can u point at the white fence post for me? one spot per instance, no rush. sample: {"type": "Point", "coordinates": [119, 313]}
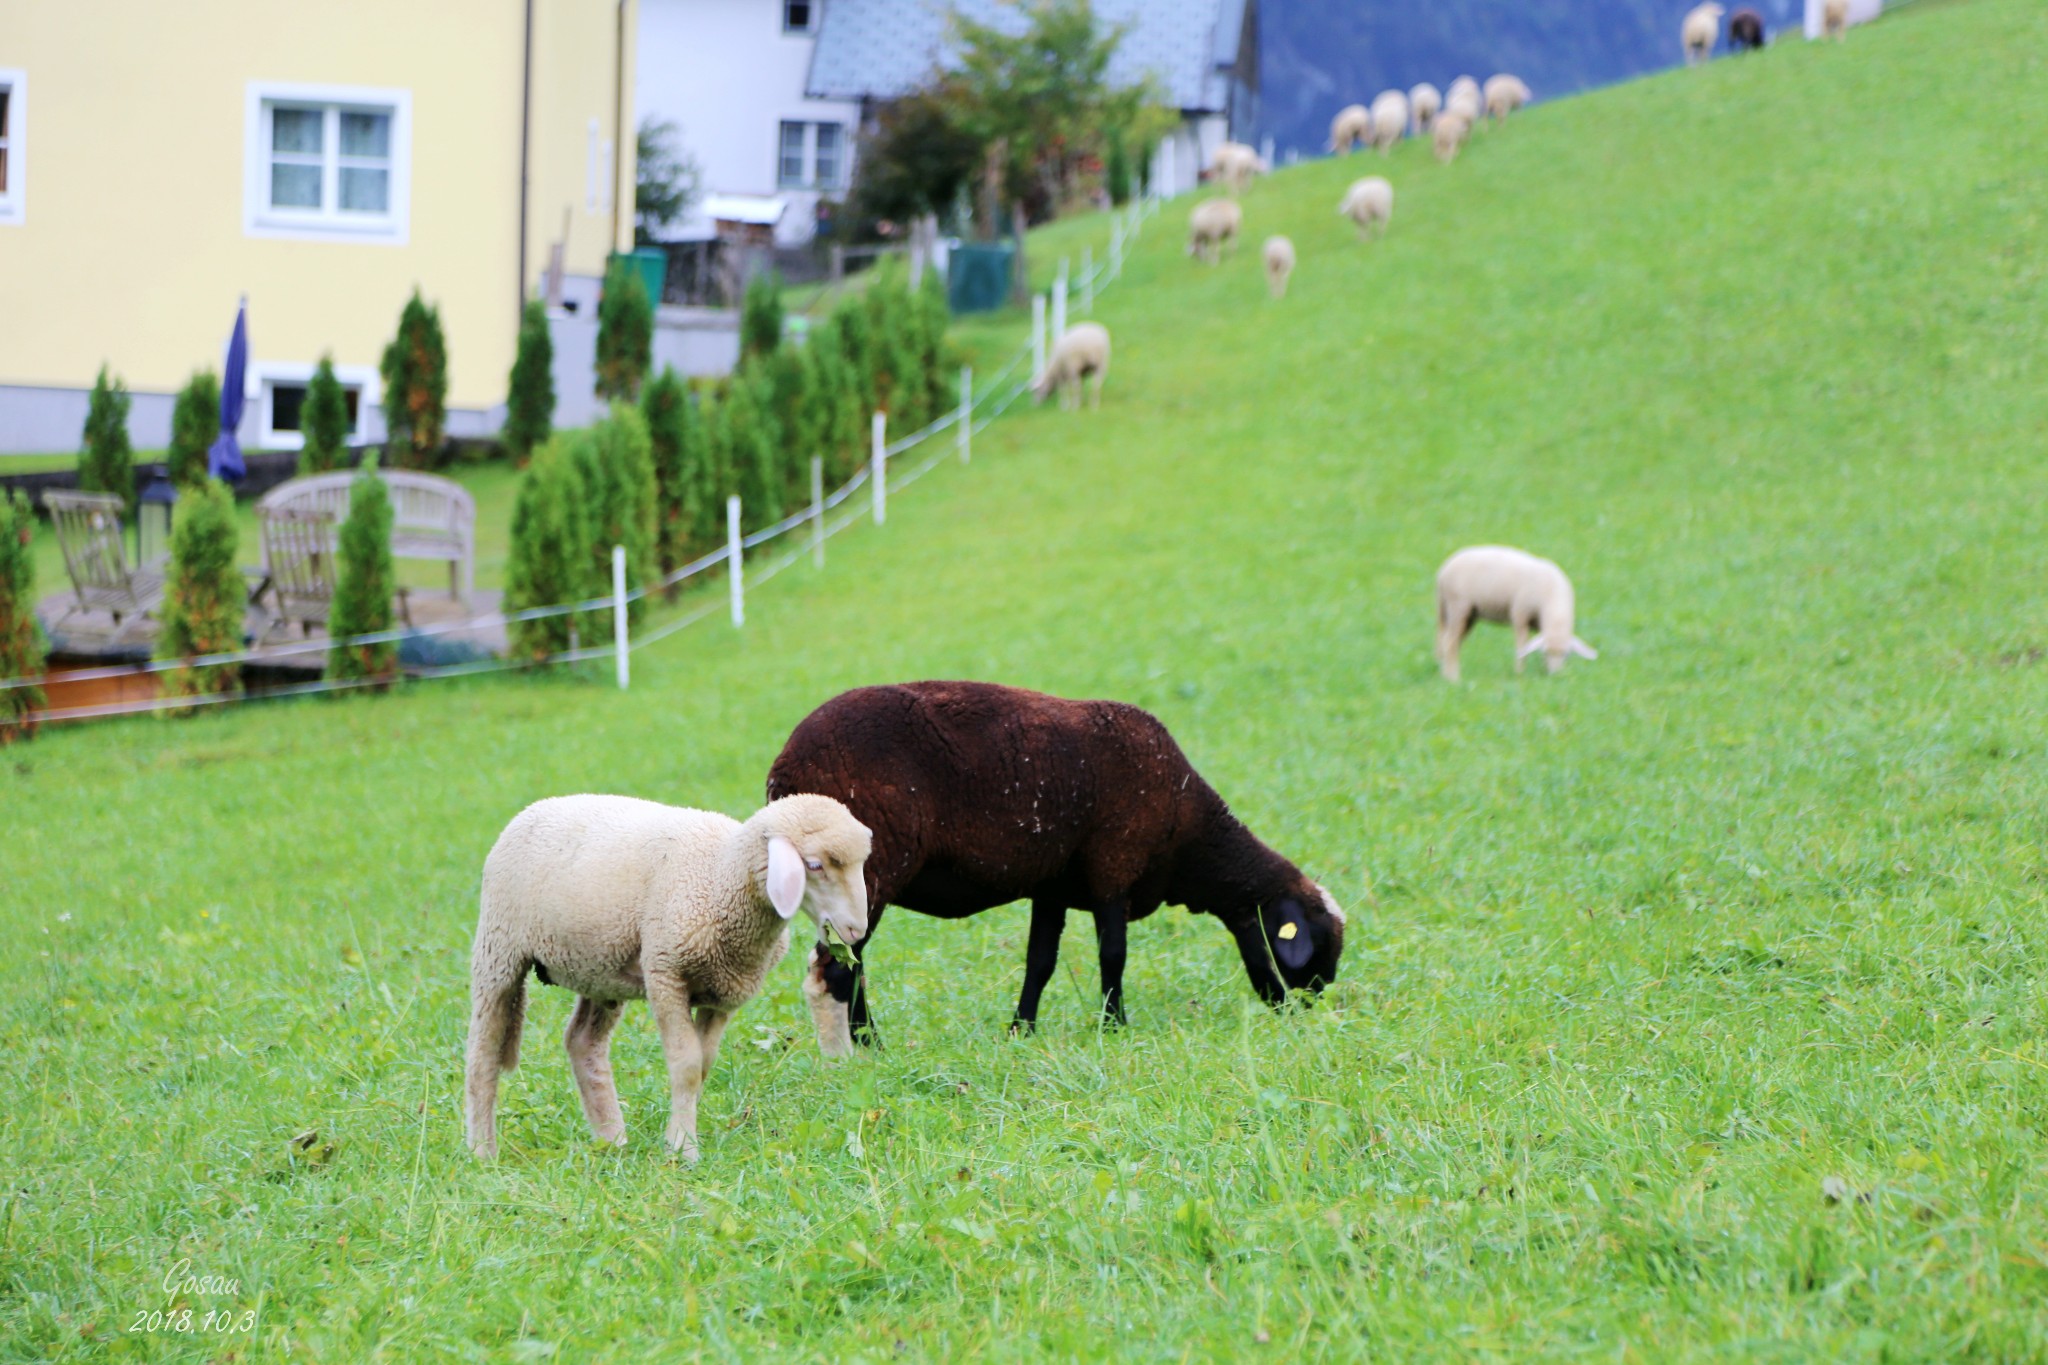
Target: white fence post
{"type": "Point", "coordinates": [1059, 304]}
{"type": "Point", "coordinates": [878, 468]}
{"type": "Point", "coordinates": [1116, 244]}
{"type": "Point", "coordinates": [733, 556]}
{"type": "Point", "coordinates": [817, 511]}
{"type": "Point", "coordinates": [1037, 335]}
{"type": "Point", "coordinates": [1266, 151]}
{"type": "Point", "coordinates": [619, 616]}
{"type": "Point", "coordinates": [1088, 280]}
{"type": "Point", "coordinates": [965, 438]}
{"type": "Point", "coordinates": [1171, 179]}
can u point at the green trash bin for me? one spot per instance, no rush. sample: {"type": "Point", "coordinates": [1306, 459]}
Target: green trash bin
{"type": "Point", "coordinates": [652, 263]}
{"type": "Point", "coordinates": [978, 276]}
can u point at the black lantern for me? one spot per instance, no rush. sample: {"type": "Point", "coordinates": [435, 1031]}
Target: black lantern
{"type": "Point", "coordinates": [153, 523]}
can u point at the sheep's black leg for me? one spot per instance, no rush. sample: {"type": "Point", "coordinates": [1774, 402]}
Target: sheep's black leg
{"type": "Point", "coordinates": [1110, 928]}
{"type": "Point", "coordinates": [1048, 918]}
{"type": "Point", "coordinates": [849, 986]}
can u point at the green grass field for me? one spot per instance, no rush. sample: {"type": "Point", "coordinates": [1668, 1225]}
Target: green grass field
{"type": "Point", "coordinates": [1642, 956]}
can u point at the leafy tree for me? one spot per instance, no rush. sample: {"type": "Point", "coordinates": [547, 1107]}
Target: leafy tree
{"type": "Point", "coordinates": [616, 462]}
{"type": "Point", "coordinates": [761, 317]}
{"type": "Point", "coordinates": [530, 403]}
{"type": "Point", "coordinates": [107, 462]}
{"type": "Point", "coordinates": [21, 646]}
{"type": "Point", "coordinates": [1116, 168]}
{"type": "Point", "coordinates": [550, 555]}
{"type": "Point", "coordinates": [919, 158]}
{"type": "Point", "coordinates": [415, 369]}
{"type": "Point", "coordinates": [625, 333]}
{"type": "Point", "coordinates": [204, 597]}
{"type": "Point", "coordinates": [195, 424]}
{"type": "Point", "coordinates": [324, 420]}
{"type": "Point", "coordinates": [363, 588]}
{"type": "Point", "coordinates": [677, 440]}
{"type": "Point", "coordinates": [666, 183]}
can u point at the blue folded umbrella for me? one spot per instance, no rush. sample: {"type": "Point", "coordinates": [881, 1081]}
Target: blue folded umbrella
{"type": "Point", "coordinates": [224, 460]}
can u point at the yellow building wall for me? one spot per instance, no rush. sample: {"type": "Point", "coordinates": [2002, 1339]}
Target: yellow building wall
{"type": "Point", "coordinates": [578, 47]}
{"type": "Point", "coordinates": [133, 250]}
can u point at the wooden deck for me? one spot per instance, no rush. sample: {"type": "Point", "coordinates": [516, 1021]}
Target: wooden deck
{"type": "Point", "coordinates": [450, 631]}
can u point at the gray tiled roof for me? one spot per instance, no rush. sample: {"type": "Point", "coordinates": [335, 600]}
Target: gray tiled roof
{"type": "Point", "coordinates": [886, 48]}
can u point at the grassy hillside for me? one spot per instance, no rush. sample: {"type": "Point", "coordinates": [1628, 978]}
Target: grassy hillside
{"type": "Point", "coordinates": [1643, 956]}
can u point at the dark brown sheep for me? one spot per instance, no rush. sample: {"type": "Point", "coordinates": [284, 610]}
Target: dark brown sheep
{"type": "Point", "coordinates": [979, 795]}
{"type": "Point", "coordinates": [1745, 30]}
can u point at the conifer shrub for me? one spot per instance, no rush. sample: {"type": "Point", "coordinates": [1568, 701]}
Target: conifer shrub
{"type": "Point", "coordinates": [204, 596]}
{"type": "Point", "coordinates": [415, 371]}
{"type": "Point", "coordinates": [677, 441]}
{"type": "Point", "coordinates": [615, 466]}
{"type": "Point", "coordinates": [761, 317]}
{"type": "Point", "coordinates": [625, 333]}
{"type": "Point", "coordinates": [195, 424]}
{"type": "Point", "coordinates": [752, 458]}
{"type": "Point", "coordinates": [530, 396]}
{"type": "Point", "coordinates": [323, 420]}
{"type": "Point", "coordinates": [364, 584]}
{"type": "Point", "coordinates": [106, 461]}
{"type": "Point", "coordinates": [549, 560]}
{"type": "Point", "coordinates": [21, 644]}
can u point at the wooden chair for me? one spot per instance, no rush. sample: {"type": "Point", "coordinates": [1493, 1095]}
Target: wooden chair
{"type": "Point", "coordinates": [299, 554]}
{"type": "Point", "coordinates": [89, 532]}
{"type": "Point", "coordinates": [431, 517]}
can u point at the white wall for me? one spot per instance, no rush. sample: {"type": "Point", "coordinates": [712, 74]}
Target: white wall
{"type": "Point", "coordinates": [727, 75]}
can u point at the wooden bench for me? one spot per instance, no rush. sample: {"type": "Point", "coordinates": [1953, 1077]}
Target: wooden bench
{"type": "Point", "coordinates": [431, 517]}
{"type": "Point", "coordinates": [89, 532]}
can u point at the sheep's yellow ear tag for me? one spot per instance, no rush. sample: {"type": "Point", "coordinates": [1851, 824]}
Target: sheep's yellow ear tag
{"type": "Point", "coordinates": [1288, 930]}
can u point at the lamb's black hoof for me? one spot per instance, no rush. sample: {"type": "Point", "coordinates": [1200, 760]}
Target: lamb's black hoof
{"type": "Point", "coordinates": [1023, 1028]}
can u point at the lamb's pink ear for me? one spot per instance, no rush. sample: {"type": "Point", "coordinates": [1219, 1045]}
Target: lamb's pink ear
{"type": "Point", "coordinates": [1582, 649]}
{"type": "Point", "coordinates": [785, 876]}
{"type": "Point", "coordinates": [1535, 646]}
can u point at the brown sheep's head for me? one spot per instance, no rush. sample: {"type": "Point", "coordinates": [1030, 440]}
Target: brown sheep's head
{"type": "Point", "coordinates": [1295, 942]}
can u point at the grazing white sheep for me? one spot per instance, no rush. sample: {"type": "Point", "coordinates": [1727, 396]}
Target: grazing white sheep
{"type": "Point", "coordinates": [1465, 105]}
{"type": "Point", "coordinates": [1234, 165]}
{"type": "Point", "coordinates": [1389, 119]}
{"type": "Point", "coordinates": [1427, 102]}
{"type": "Point", "coordinates": [1213, 225]}
{"type": "Point", "coordinates": [619, 899]}
{"type": "Point", "coordinates": [1504, 95]}
{"type": "Point", "coordinates": [1081, 354]}
{"type": "Point", "coordinates": [1452, 128]}
{"type": "Point", "coordinates": [1352, 126]}
{"type": "Point", "coordinates": [1464, 86]}
{"type": "Point", "coordinates": [1279, 256]}
{"type": "Point", "coordinates": [1834, 19]}
{"type": "Point", "coordinates": [1495, 583]}
{"type": "Point", "coordinates": [1700, 30]}
{"type": "Point", "coordinates": [1369, 203]}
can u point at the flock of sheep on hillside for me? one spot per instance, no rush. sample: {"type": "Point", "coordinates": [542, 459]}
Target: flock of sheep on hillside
{"type": "Point", "coordinates": [951, 798]}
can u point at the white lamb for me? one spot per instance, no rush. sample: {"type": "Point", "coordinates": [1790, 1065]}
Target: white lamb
{"type": "Point", "coordinates": [1427, 102]}
{"type": "Point", "coordinates": [1389, 119]}
{"type": "Point", "coordinates": [1352, 126]}
{"type": "Point", "coordinates": [1495, 583]}
{"type": "Point", "coordinates": [1369, 203]}
{"type": "Point", "coordinates": [1279, 254]}
{"type": "Point", "coordinates": [1504, 95]}
{"type": "Point", "coordinates": [1081, 354]}
{"type": "Point", "coordinates": [1234, 165]}
{"type": "Point", "coordinates": [1452, 128]}
{"type": "Point", "coordinates": [1700, 30]}
{"type": "Point", "coordinates": [1212, 226]}
{"type": "Point", "coordinates": [619, 899]}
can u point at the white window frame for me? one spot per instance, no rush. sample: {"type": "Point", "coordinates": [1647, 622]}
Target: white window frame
{"type": "Point", "coordinates": [14, 199]}
{"type": "Point", "coordinates": [327, 224]}
{"type": "Point", "coordinates": [260, 387]}
{"type": "Point", "coordinates": [808, 180]}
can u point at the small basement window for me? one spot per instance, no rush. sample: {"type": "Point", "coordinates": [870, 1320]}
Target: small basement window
{"type": "Point", "coordinates": [799, 16]}
{"type": "Point", "coordinates": [280, 394]}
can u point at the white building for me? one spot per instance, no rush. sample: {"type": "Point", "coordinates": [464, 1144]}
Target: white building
{"type": "Point", "coordinates": [731, 75]}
